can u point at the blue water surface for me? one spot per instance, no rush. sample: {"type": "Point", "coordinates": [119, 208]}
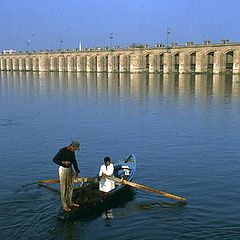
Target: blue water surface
{"type": "Point", "coordinates": [184, 130]}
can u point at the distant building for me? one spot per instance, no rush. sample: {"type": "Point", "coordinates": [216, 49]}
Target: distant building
{"type": "Point", "coordinates": [9, 51]}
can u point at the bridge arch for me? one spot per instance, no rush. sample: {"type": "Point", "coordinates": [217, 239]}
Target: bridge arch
{"type": "Point", "coordinates": [228, 60]}
{"type": "Point", "coordinates": [192, 61]}
{"type": "Point", "coordinates": [146, 61]}
{"type": "Point", "coordinates": [116, 61]}
{"type": "Point", "coordinates": [210, 60]}
{"type": "Point", "coordinates": [105, 62]}
{"type": "Point", "coordinates": [160, 61]}
{"type": "Point", "coordinates": [175, 61]}
{"type": "Point", "coordinates": [209, 51]}
{"type": "Point", "coordinates": [229, 50]}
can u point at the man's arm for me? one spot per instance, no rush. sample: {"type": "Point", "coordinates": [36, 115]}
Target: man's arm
{"type": "Point", "coordinates": [75, 165]}
{"type": "Point", "coordinates": [100, 172]}
{"type": "Point", "coordinates": [58, 158]}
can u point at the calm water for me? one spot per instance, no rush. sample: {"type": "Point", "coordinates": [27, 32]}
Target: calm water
{"type": "Point", "coordinates": [184, 130]}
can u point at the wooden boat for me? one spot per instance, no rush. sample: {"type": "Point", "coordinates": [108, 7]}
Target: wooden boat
{"type": "Point", "coordinates": [92, 201]}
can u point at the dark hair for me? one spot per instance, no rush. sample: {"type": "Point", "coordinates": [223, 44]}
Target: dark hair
{"type": "Point", "coordinates": [107, 159]}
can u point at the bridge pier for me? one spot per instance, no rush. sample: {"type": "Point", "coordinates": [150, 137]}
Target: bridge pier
{"type": "Point", "coordinates": [21, 64]}
{"type": "Point", "coordinates": [2, 64]}
{"type": "Point", "coordinates": [61, 62]}
{"type": "Point", "coordinates": [167, 65]}
{"type": "Point", "coordinates": [79, 64]}
{"type": "Point", "coordinates": [110, 63]}
{"type": "Point", "coordinates": [201, 65]}
{"type": "Point", "coordinates": [15, 64]}
{"type": "Point", "coordinates": [70, 64]}
{"type": "Point", "coordinates": [123, 63]}
{"type": "Point", "coordinates": [8, 64]}
{"type": "Point", "coordinates": [152, 63]}
{"type": "Point", "coordinates": [183, 66]}
{"type": "Point", "coordinates": [100, 67]}
{"type": "Point", "coordinates": [28, 62]}
{"type": "Point", "coordinates": [89, 64]}
{"type": "Point", "coordinates": [43, 63]}
{"type": "Point", "coordinates": [136, 63]}
{"type": "Point", "coordinates": [236, 62]}
{"type": "Point", "coordinates": [82, 64]}
{"type": "Point", "coordinates": [218, 62]}
{"type": "Point", "coordinates": [35, 64]}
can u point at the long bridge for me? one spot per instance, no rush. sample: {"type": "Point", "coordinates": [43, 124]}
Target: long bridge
{"type": "Point", "coordinates": [198, 58]}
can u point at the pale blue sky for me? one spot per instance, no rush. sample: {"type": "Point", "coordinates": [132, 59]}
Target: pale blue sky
{"type": "Point", "coordinates": [45, 22]}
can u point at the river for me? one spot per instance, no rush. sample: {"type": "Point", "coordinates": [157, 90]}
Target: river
{"type": "Point", "coordinates": [183, 129]}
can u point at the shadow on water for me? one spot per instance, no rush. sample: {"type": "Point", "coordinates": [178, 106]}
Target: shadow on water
{"type": "Point", "coordinates": [94, 204]}
{"type": "Point", "coordinates": [152, 205]}
{"type": "Point", "coordinates": [126, 204]}
{"type": "Point", "coordinates": [149, 202]}
{"type": "Point", "coordinates": [91, 211]}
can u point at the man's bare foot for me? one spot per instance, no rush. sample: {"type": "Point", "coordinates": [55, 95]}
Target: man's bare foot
{"type": "Point", "coordinates": [66, 209]}
{"type": "Point", "coordinates": [75, 205]}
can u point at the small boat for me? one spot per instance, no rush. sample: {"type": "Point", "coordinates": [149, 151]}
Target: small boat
{"type": "Point", "coordinates": [92, 201]}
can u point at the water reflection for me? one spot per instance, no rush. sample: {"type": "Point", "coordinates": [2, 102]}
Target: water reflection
{"type": "Point", "coordinates": [235, 86]}
{"type": "Point", "coordinates": [108, 214]}
{"type": "Point", "coordinates": [119, 85]}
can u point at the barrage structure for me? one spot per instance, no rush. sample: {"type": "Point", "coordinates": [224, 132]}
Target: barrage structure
{"type": "Point", "coordinates": [197, 58]}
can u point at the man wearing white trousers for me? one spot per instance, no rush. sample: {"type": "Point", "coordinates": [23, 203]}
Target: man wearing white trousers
{"type": "Point", "coordinates": [66, 158]}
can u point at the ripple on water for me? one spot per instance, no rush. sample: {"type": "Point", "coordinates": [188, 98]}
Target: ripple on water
{"type": "Point", "coordinates": [27, 213]}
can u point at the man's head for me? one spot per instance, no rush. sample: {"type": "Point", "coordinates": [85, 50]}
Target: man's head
{"type": "Point", "coordinates": [74, 145]}
{"type": "Point", "coordinates": [107, 161]}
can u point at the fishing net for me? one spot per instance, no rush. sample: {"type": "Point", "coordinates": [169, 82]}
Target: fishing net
{"type": "Point", "coordinates": [88, 195]}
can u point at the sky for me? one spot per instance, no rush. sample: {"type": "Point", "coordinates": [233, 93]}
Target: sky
{"type": "Point", "coordinates": [54, 24]}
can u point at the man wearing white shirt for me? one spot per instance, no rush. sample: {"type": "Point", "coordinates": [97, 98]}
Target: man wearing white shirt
{"type": "Point", "coordinates": [106, 185]}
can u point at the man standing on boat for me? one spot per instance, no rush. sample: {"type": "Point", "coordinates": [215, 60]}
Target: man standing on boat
{"type": "Point", "coordinates": [106, 185]}
{"type": "Point", "coordinates": [65, 158]}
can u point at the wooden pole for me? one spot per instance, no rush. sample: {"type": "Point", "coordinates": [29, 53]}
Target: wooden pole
{"type": "Point", "coordinates": [43, 183]}
{"type": "Point", "coordinates": [49, 181]}
{"type": "Point", "coordinates": [76, 180]}
{"type": "Point", "coordinates": [146, 188]}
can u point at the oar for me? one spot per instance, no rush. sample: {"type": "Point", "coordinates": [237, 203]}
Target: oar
{"type": "Point", "coordinates": [149, 189]}
{"type": "Point", "coordinates": [81, 179]}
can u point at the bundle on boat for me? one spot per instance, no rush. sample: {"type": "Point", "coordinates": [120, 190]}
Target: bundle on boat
{"type": "Point", "coordinates": [89, 192]}
{"type": "Point", "coordinates": [88, 195]}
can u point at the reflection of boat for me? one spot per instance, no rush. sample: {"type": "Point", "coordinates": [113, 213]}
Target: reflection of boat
{"type": "Point", "coordinates": [92, 201]}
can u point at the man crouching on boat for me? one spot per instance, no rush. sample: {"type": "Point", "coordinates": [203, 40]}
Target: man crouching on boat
{"type": "Point", "coordinates": [65, 158]}
{"type": "Point", "coordinates": [106, 185]}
